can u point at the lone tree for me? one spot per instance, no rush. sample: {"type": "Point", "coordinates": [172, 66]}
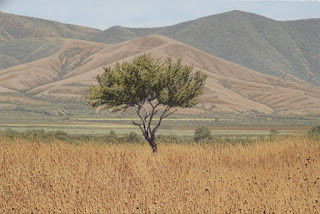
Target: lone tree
{"type": "Point", "coordinates": [149, 86]}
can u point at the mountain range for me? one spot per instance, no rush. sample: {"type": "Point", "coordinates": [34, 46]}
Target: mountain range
{"type": "Point", "coordinates": [252, 62]}
{"type": "Point", "coordinates": [285, 49]}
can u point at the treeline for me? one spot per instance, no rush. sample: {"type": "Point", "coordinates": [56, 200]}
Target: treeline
{"type": "Point", "coordinates": [41, 135]}
{"type": "Point", "coordinates": [202, 135]}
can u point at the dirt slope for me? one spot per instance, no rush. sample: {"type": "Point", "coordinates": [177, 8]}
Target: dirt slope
{"type": "Point", "coordinates": [230, 87]}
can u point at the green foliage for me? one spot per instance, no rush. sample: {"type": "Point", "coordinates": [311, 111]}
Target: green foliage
{"type": "Point", "coordinates": [202, 133]}
{"type": "Point", "coordinates": [315, 131]}
{"type": "Point", "coordinates": [60, 135]}
{"type": "Point", "coordinates": [171, 138]}
{"type": "Point", "coordinates": [147, 83]}
{"type": "Point", "coordinates": [111, 137]}
{"type": "Point", "coordinates": [34, 134]}
{"type": "Point", "coordinates": [146, 79]}
{"type": "Point", "coordinates": [180, 88]}
{"type": "Point", "coordinates": [132, 137]}
{"type": "Point", "coordinates": [43, 136]}
{"type": "Point", "coordinates": [9, 133]}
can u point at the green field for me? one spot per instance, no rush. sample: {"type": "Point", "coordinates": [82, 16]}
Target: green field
{"type": "Point", "coordinates": [74, 118]}
{"type": "Point", "coordinates": [98, 129]}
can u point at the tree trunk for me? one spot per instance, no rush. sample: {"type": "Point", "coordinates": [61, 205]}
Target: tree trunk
{"type": "Point", "coordinates": [153, 145]}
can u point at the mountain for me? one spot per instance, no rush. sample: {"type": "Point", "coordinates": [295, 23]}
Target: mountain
{"type": "Point", "coordinates": [24, 39]}
{"type": "Point", "coordinates": [260, 64]}
{"type": "Point", "coordinates": [22, 27]}
{"type": "Point", "coordinates": [66, 74]}
{"type": "Point", "coordinates": [286, 49]}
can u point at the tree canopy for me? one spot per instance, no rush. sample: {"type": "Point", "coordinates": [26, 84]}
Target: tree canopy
{"type": "Point", "coordinates": [150, 86]}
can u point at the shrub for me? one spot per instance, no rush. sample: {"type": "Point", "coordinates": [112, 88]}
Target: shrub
{"type": "Point", "coordinates": [171, 138]}
{"type": "Point", "coordinates": [273, 133]}
{"type": "Point", "coordinates": [9, 133]}
{"type": "Point", "coordinates": [202, 133]}
{"type": "Point", "coordinates": [315, 131]}
{"type": "Point", "coordinates": [132, 137]}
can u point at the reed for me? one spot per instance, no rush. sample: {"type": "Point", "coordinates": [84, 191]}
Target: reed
{"type": "Point", "coordinates": [271, 176]}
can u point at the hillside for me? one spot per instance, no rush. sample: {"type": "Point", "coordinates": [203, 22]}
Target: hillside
{"type": "Point", "coordinates": [25, 39]}
{"type": "Point", "coordinates": [287, 49]}
{"type": "Point", "coordinates": [46, 61]}
{"type": "Point", "coordinates": [66, 74]}
{"type": "Point", "coordinates": [18, 51]}
{"type": "Point", "coordinates": [22, 27]}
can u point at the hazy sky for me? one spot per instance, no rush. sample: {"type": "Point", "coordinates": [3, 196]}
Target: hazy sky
{"type": "Point", "coordinates": [103, 14]}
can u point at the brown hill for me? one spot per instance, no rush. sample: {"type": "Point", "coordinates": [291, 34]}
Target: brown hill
{"type": "Point", "coordinates": [66, 74]}
{"type": "Point", "coordinates": [286, 49]}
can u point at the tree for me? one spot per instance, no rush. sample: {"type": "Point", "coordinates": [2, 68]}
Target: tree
{"type": "Point", "coordinates": [149, 86]}
{"type": "Point", "coordinates": [202, 133]}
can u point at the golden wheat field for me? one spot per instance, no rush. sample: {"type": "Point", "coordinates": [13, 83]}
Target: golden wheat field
{"type": "Point", "coordinates": [278, 176]}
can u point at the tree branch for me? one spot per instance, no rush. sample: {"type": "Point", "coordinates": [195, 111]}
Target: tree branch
{"type": "Point", "coordinates": [143, 132]}
{"type": "Point", "coordinates": [143, 120]}
{"type": "Point", "coordinates": [147, 113]}
{"type": "Point", "coordinates": [154, 111]}
{"type": "Point", "coordinates": [169, 113]}
{"type": "Point", "coordinates": [164, 115]}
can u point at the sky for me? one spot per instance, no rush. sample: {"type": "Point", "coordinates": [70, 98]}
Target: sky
{"type": "Point", "coordinates": [103, 14]}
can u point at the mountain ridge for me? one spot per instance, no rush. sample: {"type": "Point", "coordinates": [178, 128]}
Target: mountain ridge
{"type": "Point", "coordinates": [287, 49]}
{"type": "Point", "coordinates": [272, 47]}
{"type": "Point", "coordinates": [22, 27]}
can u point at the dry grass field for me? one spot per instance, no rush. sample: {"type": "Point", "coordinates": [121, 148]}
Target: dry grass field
{"type": "Point", "coordinates": [279, 176]}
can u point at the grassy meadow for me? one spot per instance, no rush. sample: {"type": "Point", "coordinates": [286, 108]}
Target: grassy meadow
{"type": "Point", "coordinates": [79, 119]}
{"type": "Point", "coordinates": [268, 176]}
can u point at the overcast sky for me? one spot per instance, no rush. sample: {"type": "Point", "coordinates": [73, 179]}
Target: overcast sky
{"type": "Point", "coordinates": [103, 14]}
